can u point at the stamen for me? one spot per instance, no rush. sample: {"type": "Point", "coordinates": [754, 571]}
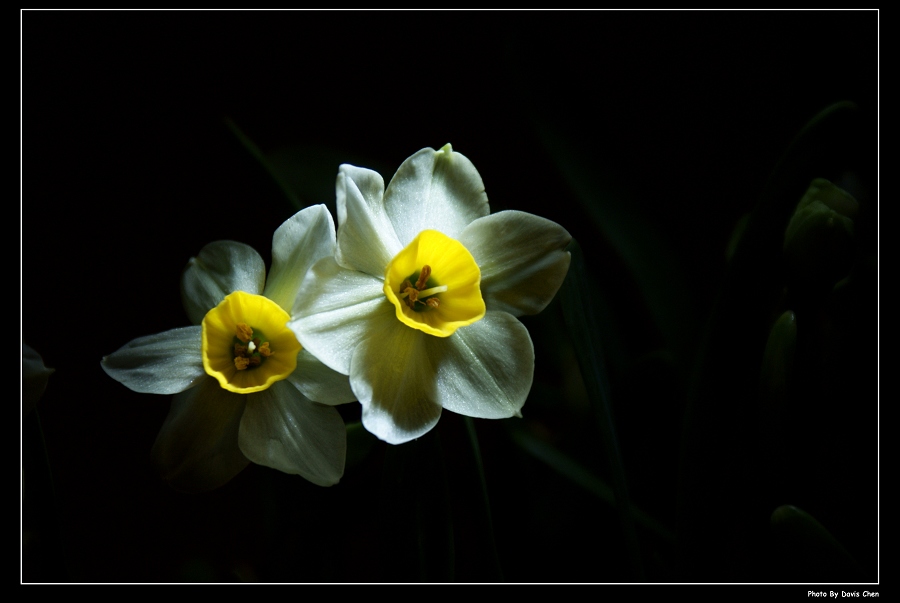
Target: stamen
{"type": "Point", "coordinates": [244, 332]}
{"type": "Point", "coordinates": [433, 291]}
{"type": "Point", "coordinates": [252, 354]}
{"type": "Point", "coordinates": [423, 277]}
{"type": "Point", "coordinates": [412, 295]}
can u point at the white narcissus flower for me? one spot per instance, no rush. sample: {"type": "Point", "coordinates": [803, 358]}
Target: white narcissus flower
{"type": "Point", "coordinates": [419, 304]}
{"type": "Point", "coordinates": [244, 388]}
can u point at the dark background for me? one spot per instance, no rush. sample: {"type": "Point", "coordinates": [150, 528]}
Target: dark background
{"type": "Point", "coordinates": [648, 135]}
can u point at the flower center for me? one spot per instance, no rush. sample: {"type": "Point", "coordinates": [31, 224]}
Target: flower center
{"type": "Point", "coordinates": [250, 349]}
{"type": "Point", "coordinates": [434, 283]}
{"type": "Point", "coordinates": [240, 337]}
{"type": "Point", "coordinates": [423, 295]}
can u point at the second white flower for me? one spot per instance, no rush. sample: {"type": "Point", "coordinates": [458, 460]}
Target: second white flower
{"type": "Point", "coordinates": [419, 303]}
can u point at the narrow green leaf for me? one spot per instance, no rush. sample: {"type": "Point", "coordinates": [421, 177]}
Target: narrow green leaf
{"type": "Point", "coordinates": [622, 222]}
{"type": "Point", "coordinates": [414, 516]}
{"type": "Point", "coordinates": [582, 326]}
{"type": "Point", "coordinates": [580, 475]}
{"type": "Point", "coordinates": [489, 540]}
{"type": "Point", "coordinates": [254, 151]}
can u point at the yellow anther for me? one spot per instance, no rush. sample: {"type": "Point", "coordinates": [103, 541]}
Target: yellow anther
{"type": "Point", "coordinates": [423, 277]}
{"type": "Point", "coordinates": [411, 295]}
{"type": "Point", "coordinates": [244, 332]}
{"type": "Point", "coordinates": [437, 308]}
{"type": "Point", "coordinates": [252, 354]}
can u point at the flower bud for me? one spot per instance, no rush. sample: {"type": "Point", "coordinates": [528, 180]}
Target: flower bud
{"type": "Point", "coordinates": [778, 361]}
{"type": "Point", "coordinates": [819, 243]}
{"type": "Point", "coordinates": [775, 379]}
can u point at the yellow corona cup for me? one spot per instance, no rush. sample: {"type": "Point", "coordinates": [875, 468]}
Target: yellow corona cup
{"type": "Point", "coordinates": [434, 283]}
{"type": "Point", "coordinates": [246, 343]}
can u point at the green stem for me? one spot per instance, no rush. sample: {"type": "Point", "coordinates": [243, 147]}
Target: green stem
{"type": "Point", "coordinates": [43, 558]}
{"type": "Point", "coordinates": [582, 327]}
{"type": "Point", "coordinates": [476, 453]}
{"type": "Point", "coordinates": [251, 147]}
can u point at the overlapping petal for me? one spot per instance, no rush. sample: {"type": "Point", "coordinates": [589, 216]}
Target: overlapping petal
{"type": "Point", "coordinates": [485, 370]}
{"type": "Point", "coordinates": [404, 377]}
{"type": "Point", "coordinates": [403, 369]}
{"type": "Point", "coordinates": [320, 383]}
{"type": "Point", "coordinates": [197, 447]}
{"type": "Point", "coordinates": [283, 430]}
{"type": "Point", "coordinates": [165, 363]}
{"type": "Point", "coordinates": [219, 269]}
{"type": "Point", "coordinates": [366, 240]}
{"type": "Point", "coordinates": [333, 311]}
{"type": "Point", "coordinates": [439, 190]}
{"type": "Point", "coordinates": [393, 375]}
{"type": "Point", "coordinates": [300, 242]}
{"type": "Point", "coordinates": [523, 260]}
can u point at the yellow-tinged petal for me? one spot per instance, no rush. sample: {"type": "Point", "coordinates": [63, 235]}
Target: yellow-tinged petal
{"type": "Point", "coordinates": [268, 322]}
{"type": "Point", "coordinates": [447, 298]}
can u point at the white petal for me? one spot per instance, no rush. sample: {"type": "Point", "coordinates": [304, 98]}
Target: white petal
{"type": "Point", "coordinates": [219, 269]}
{"type": "Point", "coordinates": [320, 383]}
{"type": "Point", "coordinates": [300, 242]}
{"type": "Point", "coordinates": [365, 240]}
{"type": "Point", "coordinates": [485, 369]}
{"type": "Point", "coordinates": [333, 311]}
{"type": "Point", "coordinates": [33, 364]}
{"type": "Point", "coordinates": [522, 257]}
{"type": "Point", "coordinates": [438, 190]}
{"type": "Point", "coordinates": [197, 447]}
{"type": "Point", "coordinates": [283, 430]}
{"type": "Point", "coordinates": [165, 363]}
{"type": "Point", "coordinates": [394, 378]}
{"type": "Point", "coordinates": [34, 377]}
